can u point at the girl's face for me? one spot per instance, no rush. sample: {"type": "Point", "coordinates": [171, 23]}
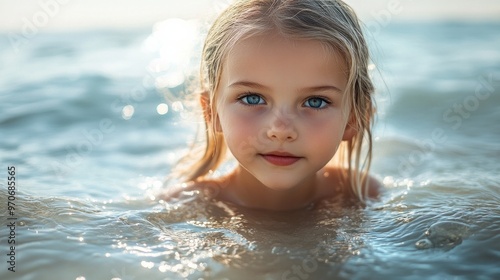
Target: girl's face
{"type": "Point", "coordinates": [279, 106]}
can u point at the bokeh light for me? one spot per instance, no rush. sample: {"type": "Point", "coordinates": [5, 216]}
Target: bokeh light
{"type": "Point", "coordinates": [162, 108]}
{"type": "Point", "coordinates": [127, 112]}
{"type": "Point", "coordinates": [177, 41]}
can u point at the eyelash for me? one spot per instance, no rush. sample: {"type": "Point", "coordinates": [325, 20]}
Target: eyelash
{"type": "Point", "coordinates": [247, 94]}
{"type": "Point", "coordinates": [328, 102]}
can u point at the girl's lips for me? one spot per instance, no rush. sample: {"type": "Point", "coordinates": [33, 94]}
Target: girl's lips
{"type": "Point", "coordinates": [281, 159]}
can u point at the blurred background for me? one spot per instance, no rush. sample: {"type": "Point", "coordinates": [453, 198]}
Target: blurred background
{"type": "Point", "coordinates": [94, 115]}
{"type": "Point", "coordinates": [92, 14]}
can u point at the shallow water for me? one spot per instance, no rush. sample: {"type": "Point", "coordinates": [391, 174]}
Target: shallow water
{"type": "Point", "coordinates": [88, 169]}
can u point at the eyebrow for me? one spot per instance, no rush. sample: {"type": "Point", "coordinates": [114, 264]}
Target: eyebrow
{"type": "Point", "coordinates": [249, 84]}
{"type": "Point", "coordinates": [308, 89]}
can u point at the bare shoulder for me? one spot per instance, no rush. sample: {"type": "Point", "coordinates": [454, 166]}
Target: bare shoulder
{"type": "Point", "coordinates": [335, 177]}
{"type": "Point", "coordinates": [375, 187]}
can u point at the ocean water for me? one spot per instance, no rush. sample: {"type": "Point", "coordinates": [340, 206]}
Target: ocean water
{"type": "Point", "coordinates": [93, 122]}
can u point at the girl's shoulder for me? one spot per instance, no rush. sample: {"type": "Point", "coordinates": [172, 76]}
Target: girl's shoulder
{"type": "Point", "coordinates": [375, 187]}
{"type": "Point", "coordinates": [335, 177]}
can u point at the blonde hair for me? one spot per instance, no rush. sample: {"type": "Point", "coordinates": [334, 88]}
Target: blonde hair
{"type": "Point", "coordinates": [331, 22]}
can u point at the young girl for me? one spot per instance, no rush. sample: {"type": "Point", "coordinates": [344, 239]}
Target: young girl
{"type": "Point", "coordinates": [285, 87]}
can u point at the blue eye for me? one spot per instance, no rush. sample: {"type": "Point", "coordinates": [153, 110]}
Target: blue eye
{"type": "Point", "coordinates": [251, 99]}
{"type": "Point", "coordinates": [316, 103]}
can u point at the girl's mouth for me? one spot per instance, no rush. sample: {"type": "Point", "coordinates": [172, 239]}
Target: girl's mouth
{"type": "Point", "coordinates": [280, 159]}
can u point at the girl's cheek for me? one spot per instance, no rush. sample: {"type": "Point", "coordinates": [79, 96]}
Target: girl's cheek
{"type": "Point", "coordinates": [240, 122]}
{"type": "Point", "coordinates": [320, 119]}
{"type": "Point", "coordinates": [247, 115]}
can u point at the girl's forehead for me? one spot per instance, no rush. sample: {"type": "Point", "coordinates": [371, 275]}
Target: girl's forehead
{"type": "Point", "coordinates": [274, 44]}
{"type": "Point", "coordinates": [268, 49]}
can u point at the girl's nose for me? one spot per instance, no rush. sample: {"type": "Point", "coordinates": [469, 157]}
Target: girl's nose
{"type": "Point", "coordinates": [282, 127]}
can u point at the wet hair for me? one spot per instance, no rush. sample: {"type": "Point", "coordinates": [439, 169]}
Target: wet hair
{"type": "Point", "coordinates": [331, 22]}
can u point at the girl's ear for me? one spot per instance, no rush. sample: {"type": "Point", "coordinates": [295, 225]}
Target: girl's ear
{"type": "Point", "coordinates": [350, 129]}
{"type": "Point", "coordinates": [207, 111]}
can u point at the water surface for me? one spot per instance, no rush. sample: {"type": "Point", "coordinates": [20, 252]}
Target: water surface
{"type": "Point", "coordinates": [81, 124]}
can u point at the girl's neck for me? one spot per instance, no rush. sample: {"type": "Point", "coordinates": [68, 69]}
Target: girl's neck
{"type": "Point", "coordinates": [245, 190]}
